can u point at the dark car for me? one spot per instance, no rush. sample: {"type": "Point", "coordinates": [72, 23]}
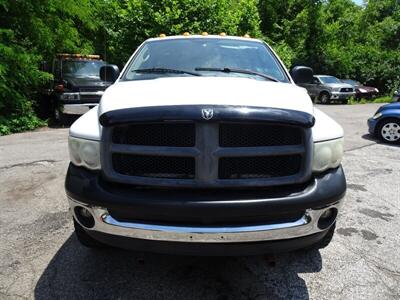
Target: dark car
{"type": "Point", "coordinates": [77, 86]}
{"type": "Point", "coordinates": [385, 123]}
{"type": "Point", "coordinates": [362, 91]}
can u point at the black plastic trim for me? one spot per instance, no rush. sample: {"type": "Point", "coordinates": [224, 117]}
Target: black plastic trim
{"type": "Point", "coordinates": [88, 187]}
{"type": "Point", "coordinates": [209, 249]}
{"type": "Point", "coordinates": [194, 113]}
{"type": "Point", "coordinates": [82, 101]}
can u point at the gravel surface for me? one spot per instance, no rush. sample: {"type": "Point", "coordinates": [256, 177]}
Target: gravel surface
{"type": "Point", "coordinates": [41, 258]}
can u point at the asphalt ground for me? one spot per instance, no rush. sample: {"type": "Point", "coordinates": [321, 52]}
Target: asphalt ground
{"type": "Point", "coordinates": [41, 258]}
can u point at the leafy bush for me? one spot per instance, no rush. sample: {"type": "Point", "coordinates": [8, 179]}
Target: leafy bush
{"type": "Point", "coordinates": [128, 23]}
{"type": "Point", "coordinates": [20, 81]}
{"type": "Point", "coordinates": [31, 31]}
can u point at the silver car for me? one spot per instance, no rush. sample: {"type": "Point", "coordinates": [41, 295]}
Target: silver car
{"type": "Point", "coordinates": [325, 89]}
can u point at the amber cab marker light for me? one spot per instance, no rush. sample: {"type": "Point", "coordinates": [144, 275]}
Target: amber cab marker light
{"type": "Point", "coordinates": [186, 34]}
{"type": "Point", "coordinates": [162, 35]}
{"type": "Point", "coordinates": [204, 33]}
{"type": "Point", "coordinates": [246, 36]}
{"type": "Point", "coordinates": [222, 34]}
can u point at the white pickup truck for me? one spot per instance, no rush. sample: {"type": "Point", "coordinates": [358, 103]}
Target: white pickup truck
{"type": "Point", "coordinates": [205, 145]}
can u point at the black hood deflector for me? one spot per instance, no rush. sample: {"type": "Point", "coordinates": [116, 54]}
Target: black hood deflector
{"type": "Point", "coordinates": [195, 113]}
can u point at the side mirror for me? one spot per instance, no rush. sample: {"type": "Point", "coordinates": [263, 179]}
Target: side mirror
{"type": "Point", "coordinates": [302, 74]}
{"type": "Point", "coordinates": [109, 73]}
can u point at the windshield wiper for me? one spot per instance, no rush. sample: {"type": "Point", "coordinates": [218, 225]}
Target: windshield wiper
{"type": "Point", "coordinates": [165, 70]}
{"type": "Point", "coordinates": [233, 70]}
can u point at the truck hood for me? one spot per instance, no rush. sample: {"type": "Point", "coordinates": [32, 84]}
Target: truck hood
{"type": "Point", "coordinates": [339, 85]}
{"type": "Point", "coordinates": [205, 91]}
{"type": "Point", "coordinates": [76, 83]}
{"type": "Point", "coordinates": [367, 88]}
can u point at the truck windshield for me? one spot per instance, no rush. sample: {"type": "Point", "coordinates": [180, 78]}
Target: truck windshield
{"type": "Point", "coordinates": [351, 82]}
{"type": "Point", "coordinates": [82, 68]}
{"type": "Point", "coordinates": [329, 79]}
{"type": "Point", "coordinates": [205, 57]}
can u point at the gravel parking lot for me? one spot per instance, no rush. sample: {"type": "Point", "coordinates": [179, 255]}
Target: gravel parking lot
{"type": "Point", "coordinates": [41, 258]}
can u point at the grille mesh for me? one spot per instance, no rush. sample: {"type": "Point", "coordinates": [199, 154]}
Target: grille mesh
{"type": "Point", "coordinates": [197, 165]}
{"type": "Point", "coordinates": [258, 135]}
{"type": "Point", "coordinates": [156, 134]}
{"type": "Point", "coordinates": [154, 166]}
{"type": "Point", "coordinates": [90, 98]}
{"type": "Point", "coordinates": [258, 167]}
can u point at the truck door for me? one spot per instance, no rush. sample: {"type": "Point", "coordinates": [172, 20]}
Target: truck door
{"type": "Point", "coordinates": [315, 87]}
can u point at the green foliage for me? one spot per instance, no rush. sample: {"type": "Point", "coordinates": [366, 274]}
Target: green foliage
{"type": "Point", "coordinates": [20, 80]}
{"type": "Point", "coordinates": [338, 37]}
{"type": "Point", "coordinates": [128, 23]}
{"type": "Point", "coordinates": [20, 123]}
{"type": "Point", "coordinates": [335, 37]}
{"type": "Point", "coordinates": [31, 31]}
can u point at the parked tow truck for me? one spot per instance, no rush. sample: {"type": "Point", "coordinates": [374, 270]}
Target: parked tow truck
{"type": "Point", "coordinates": [76, 87]}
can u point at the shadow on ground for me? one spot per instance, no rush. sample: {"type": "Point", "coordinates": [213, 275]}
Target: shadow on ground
{"type": "Point", "coordinates": [372, 138]}
{"type": "Point", "coordinates": [65, 123]}
{"type": "Point", "coordinates": [78, 272]}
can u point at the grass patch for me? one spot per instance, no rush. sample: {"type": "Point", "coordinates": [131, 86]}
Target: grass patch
{"type": "Point", "coordinates": [383, 99]}
{"type": "Point", "coordinates": [15, 123]}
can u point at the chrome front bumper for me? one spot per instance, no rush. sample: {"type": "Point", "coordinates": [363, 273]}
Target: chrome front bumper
{"type": "Point", "coordinates": [342, 95]}
{"type": "Point", "coordinates": [77, 109]}
{"type": "Point", "coordinates": [105, 223]}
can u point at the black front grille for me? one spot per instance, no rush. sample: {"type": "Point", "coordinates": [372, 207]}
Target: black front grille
{"type": "Point", "coordinates": [92, 89]}
{"type": "Point", "coordinates": [258, 167]}
{"type": "Point", "coordinates": [258, 135]}
{"type": "Point", "coordinates": [346, 89]}
{"type": "Point", "coordinates": [90, 98]}
{"type": "Point", "coordinates": [219, 154]}
{"type": "Point", "coordinates": [156, 134]}
{"type": "Point", "coordinates": [154, 166]}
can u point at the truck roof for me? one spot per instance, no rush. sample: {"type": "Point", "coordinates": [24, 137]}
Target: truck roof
{"type": "Point", "coordinates": [78, 56]}
{"type": "Point", "coordinates": [203, 36]}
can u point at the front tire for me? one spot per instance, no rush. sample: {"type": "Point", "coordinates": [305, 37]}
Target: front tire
{"type": "Point", "coordinates": [389, 131]}
{"type": "Point", "coordinates": [85, 239]}
{"type": "Point", "coordinates": [62, 119]}
{"type": "Point", "coordinates": [324, 98]}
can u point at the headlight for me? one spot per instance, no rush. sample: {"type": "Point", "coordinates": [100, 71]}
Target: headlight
{"type": "Point", "coordinates": [363, 91]}
{"type": "Point", "coordinates": [70, 96]}
{"type": "Point", "coordinates": [376, 90]}
{"type": "Point", "coordinates": [377, 116]}
{"type": "Point", "coordinates": [327, 155]}
{"type": "Point", "coordinates": [84, 153]}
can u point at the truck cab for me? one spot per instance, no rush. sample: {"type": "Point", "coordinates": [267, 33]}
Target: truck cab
{"type": "Point", "coordinates": [205, 145]}
{"type": "Point", "coordinates": [77, 86]}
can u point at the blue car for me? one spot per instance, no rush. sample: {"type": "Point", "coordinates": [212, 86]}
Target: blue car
{"type": "Point", "coordinates": [385, 124]}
